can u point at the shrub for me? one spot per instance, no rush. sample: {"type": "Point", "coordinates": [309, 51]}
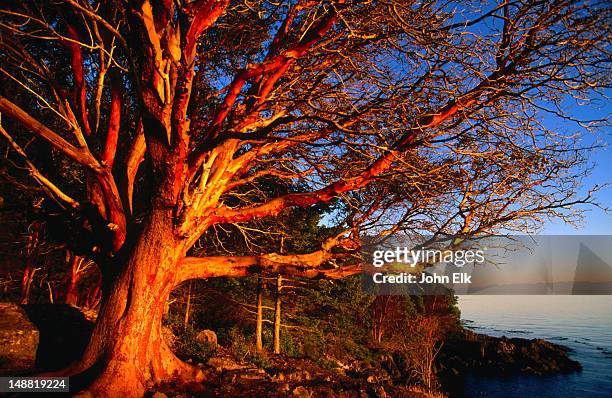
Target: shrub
{"type": "Point", "coordinates": [313, 346]}
{"type": "Point", "coordinates": [260, 359]}
{"type": "Point", "coordinates": [328, 364]}
{"type": "Point", "coordinates": [188, 347]}
{"type": "Point", "coordinates": [239, 346]}
{"type": "Point", "coordinates": [289, 346]}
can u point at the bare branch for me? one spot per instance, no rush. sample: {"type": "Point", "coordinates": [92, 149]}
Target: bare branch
{"type": "Point", "coordinates": [81, 155]}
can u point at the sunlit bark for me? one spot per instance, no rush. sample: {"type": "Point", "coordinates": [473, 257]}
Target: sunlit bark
{"type": "Point", "coordinates": [387, 109]}
{"type": "Point", "coordinates": [259, 319]}
{"type": "Point", "coordinates": [277, 314]}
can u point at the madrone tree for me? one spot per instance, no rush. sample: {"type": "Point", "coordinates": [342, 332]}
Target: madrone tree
{"type": "Point", "coordinates": [164, 118]}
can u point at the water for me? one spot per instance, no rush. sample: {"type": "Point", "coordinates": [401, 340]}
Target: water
{"type": "Point", "coordinates": [583, 323]}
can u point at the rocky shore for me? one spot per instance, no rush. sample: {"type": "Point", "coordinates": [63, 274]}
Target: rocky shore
{"type": "Point", "coordinates": [289, 377]}
{"type": "Point", "coordinates": [385, 376]}
{"type": "Point", "coordinates": [468, 350]}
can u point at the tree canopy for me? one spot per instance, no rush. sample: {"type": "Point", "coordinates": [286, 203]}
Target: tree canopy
{"type": "Point", "coordinates": [154, 124]}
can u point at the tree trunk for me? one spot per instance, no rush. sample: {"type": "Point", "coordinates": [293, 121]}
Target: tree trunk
{"type": "Point", "coordinates": [29, 260]}
{"type": "Point", "coordinates": [26, 281]}
{"type": "Point", "coordinates": [72, 292]}
{"type": "Point", "coordinates": [127, 354]}
{"type": "Point", "coordinates": [94, 295]}
{"type": "Point", "coordinates": [277, 315]}
{"type": "Point", "coordinates": [187, 307]}
{"type": "Point", "coordinates": [259, 325]}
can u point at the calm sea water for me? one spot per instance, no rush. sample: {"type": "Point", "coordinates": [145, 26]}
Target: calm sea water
{"type": "Point", "coordinates": [583, 323]}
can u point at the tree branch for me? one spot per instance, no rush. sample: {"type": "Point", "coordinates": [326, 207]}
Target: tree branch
{"type": "Point", "coordinates": [274, 67]}
{"type": "Point", "coordinates": [54, 191]}
{"type": "Point", "coordinates": [80, 87]}
{"type": "Point", "coordinates": [134, 159]}
{"type": "Point", "coordinates": [81, 155]}
{"type": "Point", "coordinates": [303, 265]}
{"type": "Point", "coordinates": [114, 122]}
{"type": "Point", "coordinates": [380, 165]}
{"type": "Point", "coordinates": [205, 13]}
{"type": "Point", "coordinates": [241, 266]}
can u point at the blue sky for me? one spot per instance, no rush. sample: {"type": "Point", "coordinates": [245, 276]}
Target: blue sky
{"type": "Point", "coordinates": [596, 222]}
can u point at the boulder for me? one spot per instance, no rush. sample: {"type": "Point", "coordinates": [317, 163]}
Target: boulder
{"type": "Point", "coordinates": [64, 334]}
{"type": "Point", "coordinates": [300, 392]}
{"type": "Point", "coordinates": [207, 336]}
{"type": "Point", "coordinates": [18, 340]}
{"type": "Point", "coordinates": [299, 375]}
{"type": "Point", "coordinates": [223, 364]}
{"type": "Point", "coordinates": [379, 392]}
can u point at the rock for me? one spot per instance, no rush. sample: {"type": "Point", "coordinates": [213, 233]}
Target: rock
{"type": "Point", "coordinates": [252, 376]}
{"type": "Point", "coordinates": [374, 375]}
{"type": "Point", "coordinates": [199, 377]}
{"type": "Point", "coordinates": [389, 364]}
{"type": "Point", "coordinates": [340, 371]}
{"type": "Point", "coordinates": [341, 365]}
{"type": "Point", "coordinates": [325, 392]}
{"type": "Point", "coordinates": [207, 336]}
{"type": "Point", "coordinates": [64, 334]}
{"type": "Point", "coordinates": [19, 340]}
{"type": "Point", "coordinates": [505, 355]}
{"type": "Point", "coordinates": [379, 392]}
{"type": "Point", "coordinates": [299, 375]}
{"type": "Point", "coordinates": [222, 364]}
{"type": "Point", "coordinates": [300, 392]}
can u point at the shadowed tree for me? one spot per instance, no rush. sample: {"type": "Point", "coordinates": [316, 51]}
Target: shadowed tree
{"type": "Point", "coordinates": [166, 119]}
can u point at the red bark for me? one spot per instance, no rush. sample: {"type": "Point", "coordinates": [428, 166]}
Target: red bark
{"type": "Point", "coordinates": [94, 295]}
{"type": "Point", "coordinates": [80, 155]}
{"type": "Point", "coordinates": [72, 290]}
{"type": "Point", "coordinates": [127, 352]}
{"type": "Point", "coordinates": [114, 120]}
{"type": "Point", "coordinates": [80, 89]}
{"type": "Point", "coordinates": [259, 320]}
{"type": "Point", "coordinates": [30, 267]}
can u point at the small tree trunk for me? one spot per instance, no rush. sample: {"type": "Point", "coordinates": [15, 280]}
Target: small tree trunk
{"type": "Point", "coordinates": [72, 292]}
{"type": "Point", "coordinates": [26, 282]}
{"type": "Point", "coordinates": [277, 314]}
{"type": "Point", "coordinates": [94, 294]}
{"type": "Point", "coordinates": [30, 269]}
{"type": "Point", "coordinates": [187, 307]}
{"type": "Point", "coordinates": [51, 300]}
{"type": "Point", "coordinates": [259, 325]}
